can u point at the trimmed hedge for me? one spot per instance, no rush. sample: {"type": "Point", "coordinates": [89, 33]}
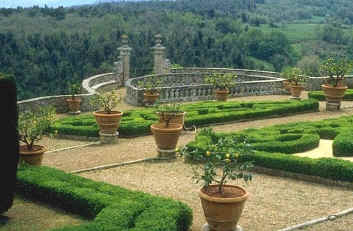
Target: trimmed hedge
{"type": "Point", "coordinates": [273, 144]}
{"type": "Point", "coordinates": [111, 207]}
{"type": "Point", "coordinates": [319, 95]}
{"type": "Point", "coordinates": [9, 142]}
{"type": "Point", "coordinates": [138, 122]}
{"type": "Point", "coordinates": [343, 144]}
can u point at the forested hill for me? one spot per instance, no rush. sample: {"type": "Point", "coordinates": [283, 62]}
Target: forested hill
{"type": "Point", "coordinates": [46, 48]}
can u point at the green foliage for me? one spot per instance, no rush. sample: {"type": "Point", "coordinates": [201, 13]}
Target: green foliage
{"type": "Point", "coordinates": [150, 85]}
{"type": "Point", "coordinates": [110, 207]}
{"type": "Point", "coordinates": [335, 69]}
{"type": "Point", "coordinates": [137, 122]}
{"type": "Point", "coordinates": [224, 153]}
{"type": "Point", "coordinates": [168, 111]}
{"type": "Point", "coordinates": [106, 101]}
{"type": "Point", "coordinates": [319, 95]}
{"type": "Point", "coordinates": [294, 75]}
{"type": "Point", "coordinates": [221, 81]}
{"type": "Point", "coordinates": [343, 144]}
{"type": "Point", "coordinates": [273, 144]}
{"type": "Point", "coordinates": [74, 89]}
{"type": "Point", "coordinates": [32, 125]}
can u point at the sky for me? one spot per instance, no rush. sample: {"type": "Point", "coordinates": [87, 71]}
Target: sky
{"type": "Point", "coordinates": [50, 3]}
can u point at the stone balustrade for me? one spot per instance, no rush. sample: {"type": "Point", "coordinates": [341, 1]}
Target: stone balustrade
{"type": "Point", "coordinates": [90, 87]}
{"type": "Point", "coordinates": [314, 83]}
{"type": "Point", "coordinates": [187, 84]}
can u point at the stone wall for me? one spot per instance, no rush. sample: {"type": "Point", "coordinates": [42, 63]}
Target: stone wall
{"type": "Point", "coordinates": [187, 84]}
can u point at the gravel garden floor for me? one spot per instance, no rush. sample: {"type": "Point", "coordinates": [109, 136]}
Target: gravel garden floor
{"type": "Point", "coordinates": [275, 202]}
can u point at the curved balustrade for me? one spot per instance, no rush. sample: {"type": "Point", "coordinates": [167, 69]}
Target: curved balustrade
{"type": "Point", "coordinates": [187, 84]}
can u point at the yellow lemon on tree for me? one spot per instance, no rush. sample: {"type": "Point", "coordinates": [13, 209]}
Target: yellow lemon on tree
{"type": "Point", "coordinates": [227, 160]}
{"type": "Point", "coordinates": [208, 153]}
{"type": "Point", "coordinates": [227, 155]}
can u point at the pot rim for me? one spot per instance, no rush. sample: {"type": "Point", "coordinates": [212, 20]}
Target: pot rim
{"type": "Point", "coordinates": [225, 200]}
{"type": "Point", "coordinates": [163, 129]}
{"type": "Point", "coordinates": [113, 114]}
{"type": "Point", "coordinates": [332, 87]}
{"type": "Point", "coordinates": [32, 152]}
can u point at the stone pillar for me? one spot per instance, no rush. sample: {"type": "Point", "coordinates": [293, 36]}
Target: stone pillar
{"type": "Point", "coordinates": [159, 56]}
{"type": "Point", "coordinates": [125, 52]}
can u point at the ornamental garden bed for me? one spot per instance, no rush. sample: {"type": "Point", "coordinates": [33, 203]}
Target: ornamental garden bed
{"type": "Point", "coordinates": [274, 145]}
{"type": "Point", "coordinates": [109, 207]}
{"type": "Point", "coordinates": [137, 122]}
{"type": "Point", "coordinates": [319, 95]}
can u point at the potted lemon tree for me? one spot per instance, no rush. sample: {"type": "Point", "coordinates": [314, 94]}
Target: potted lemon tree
{"type": "Point", "coordinates": [285, 74]}
{"type": "Point", "coordinates": [74, 101]}
{"type": "Point", "coordinates": [107, 118]}
{"type": "Point", "coordinates": [221, 83]}
{"type": "Point", "coordinates": [222, 202]}
{"type": "Point", "coordinates": [151, 87]}
{"type": "Point", "coordinates": [335, 87]}
{"type": "Point", "coordinates": [297, 80]}
{"type": "Point", "coordinates": [32, 125]}
{"type": "Point", "coordinates": [167, 131]}
{"type": "Point", "coordinates": [174, 109]}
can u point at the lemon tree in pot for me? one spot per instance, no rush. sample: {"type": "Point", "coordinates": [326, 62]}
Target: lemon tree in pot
{"type": "Point", "coordinates": [74, 101]}
{"type": "Point", "coordinates": [285, 74]}
{"type": "Point", "coordinates": [108, 120]}
{"type": "Point", "coordinates": [175, 110]}
{"type": "Point", "coordinates": [217, 164]}
{"type": "Point", "coordinates": [32, 125]}
{"type": "Point", "coordinates": [297, 80]}
{"type": "Point", "coordinates": [151, 86]}
{"type": "Point", "coordinates": [335, 87]}
{"type": "Point", "coordinates": [221, 83]}
{"type": "Point", "coordinates": [166, 133]}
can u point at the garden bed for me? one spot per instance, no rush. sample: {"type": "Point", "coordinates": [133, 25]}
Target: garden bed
{"type": "Point", "coordinates": [137, 122]}
{"type": "Point", "coordinates": [110, 207]}
{"type": "Point", "coordinates": [274, 143]}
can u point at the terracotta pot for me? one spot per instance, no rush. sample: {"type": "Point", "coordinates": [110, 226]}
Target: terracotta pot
{"type": "Point", "coordinates": [223, 213]}
{"type": "Point", "coordinates": [74, 104]}
{"type": "Point", "coordinates": [34, 156]}
{"type": "Point", "coordinates": [334, 94]}
{"type": "Point", "coordinates": [166, 137]}
{"type": "Point", "coordinates": [178, 118]}
{"type": "Point", "coordinates": [108, 123]}
{"type": "Point", "coordinates": [222, 95]}
{"type": "Point", "coordinates": [149, 98]}
{"type": "Point", "coordinates": [296, 90]}
{"type": "Point", "coordinates": [286, 85]}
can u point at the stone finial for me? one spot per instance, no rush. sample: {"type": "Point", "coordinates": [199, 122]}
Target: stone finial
{"type": "Point", "coordinates": [124, 39]}
{"type": "Point", "coordinates": [158, 38]}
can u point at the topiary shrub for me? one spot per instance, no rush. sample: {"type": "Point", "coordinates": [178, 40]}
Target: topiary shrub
{"type": "Point", "coordinates": [9, 142]}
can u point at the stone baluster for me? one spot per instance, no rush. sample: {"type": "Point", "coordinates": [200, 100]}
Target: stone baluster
{"type": "Point", "coordinates": [125, 52]}
{"type": "Point", "coordinates": [159, 56]}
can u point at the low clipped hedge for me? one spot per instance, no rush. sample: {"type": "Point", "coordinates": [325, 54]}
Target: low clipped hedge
{"type": "Point", "coordinates": [319, 95]}
{"type": "Point", "coordinates": [343, 144]}
{"type": "Point", "coordinates": [273, 146]}
{"type": "Point", "coordinates": [111, 207]}
{"type": "Point", "coordinates": [138, 122]}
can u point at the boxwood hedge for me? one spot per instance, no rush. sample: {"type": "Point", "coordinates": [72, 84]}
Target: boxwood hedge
{"type": "Point", "coordinates": [274, 144]}
{"type": "Point", "coordinates": [319, 95]}
{"type": "Point", "coordinates": [111, 208]}
{"type": "Point", "coordinates": [137, 122]}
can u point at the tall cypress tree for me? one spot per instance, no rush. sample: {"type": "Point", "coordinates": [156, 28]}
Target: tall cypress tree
{"type": "Point", "coordinates": [9, 142]}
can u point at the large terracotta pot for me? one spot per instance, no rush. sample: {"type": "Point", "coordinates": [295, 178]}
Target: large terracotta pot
{"type": "Point", "coordinates": [178, 118]}
{"type": "Point", "coordinates": [334, 94]}
{"type": "Point", "coordinates": [166, 137]}
{"type": "Point", "coordinates": [74, 105]}
{"type": "Point", "coordinates": [286, 85]}
{"type": "Point", "coordinates": [108, 123]}
{"type": "Point", "coordinates": [296, 90]}
{"type": "Point", "coordinates": [223, 213]}
{"type": "Point", "coordinates": [222, 95]}
{"type": "Point", "coordinates": [34, 156]}
{"type": "Point", "coordinates": [149, 98]}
